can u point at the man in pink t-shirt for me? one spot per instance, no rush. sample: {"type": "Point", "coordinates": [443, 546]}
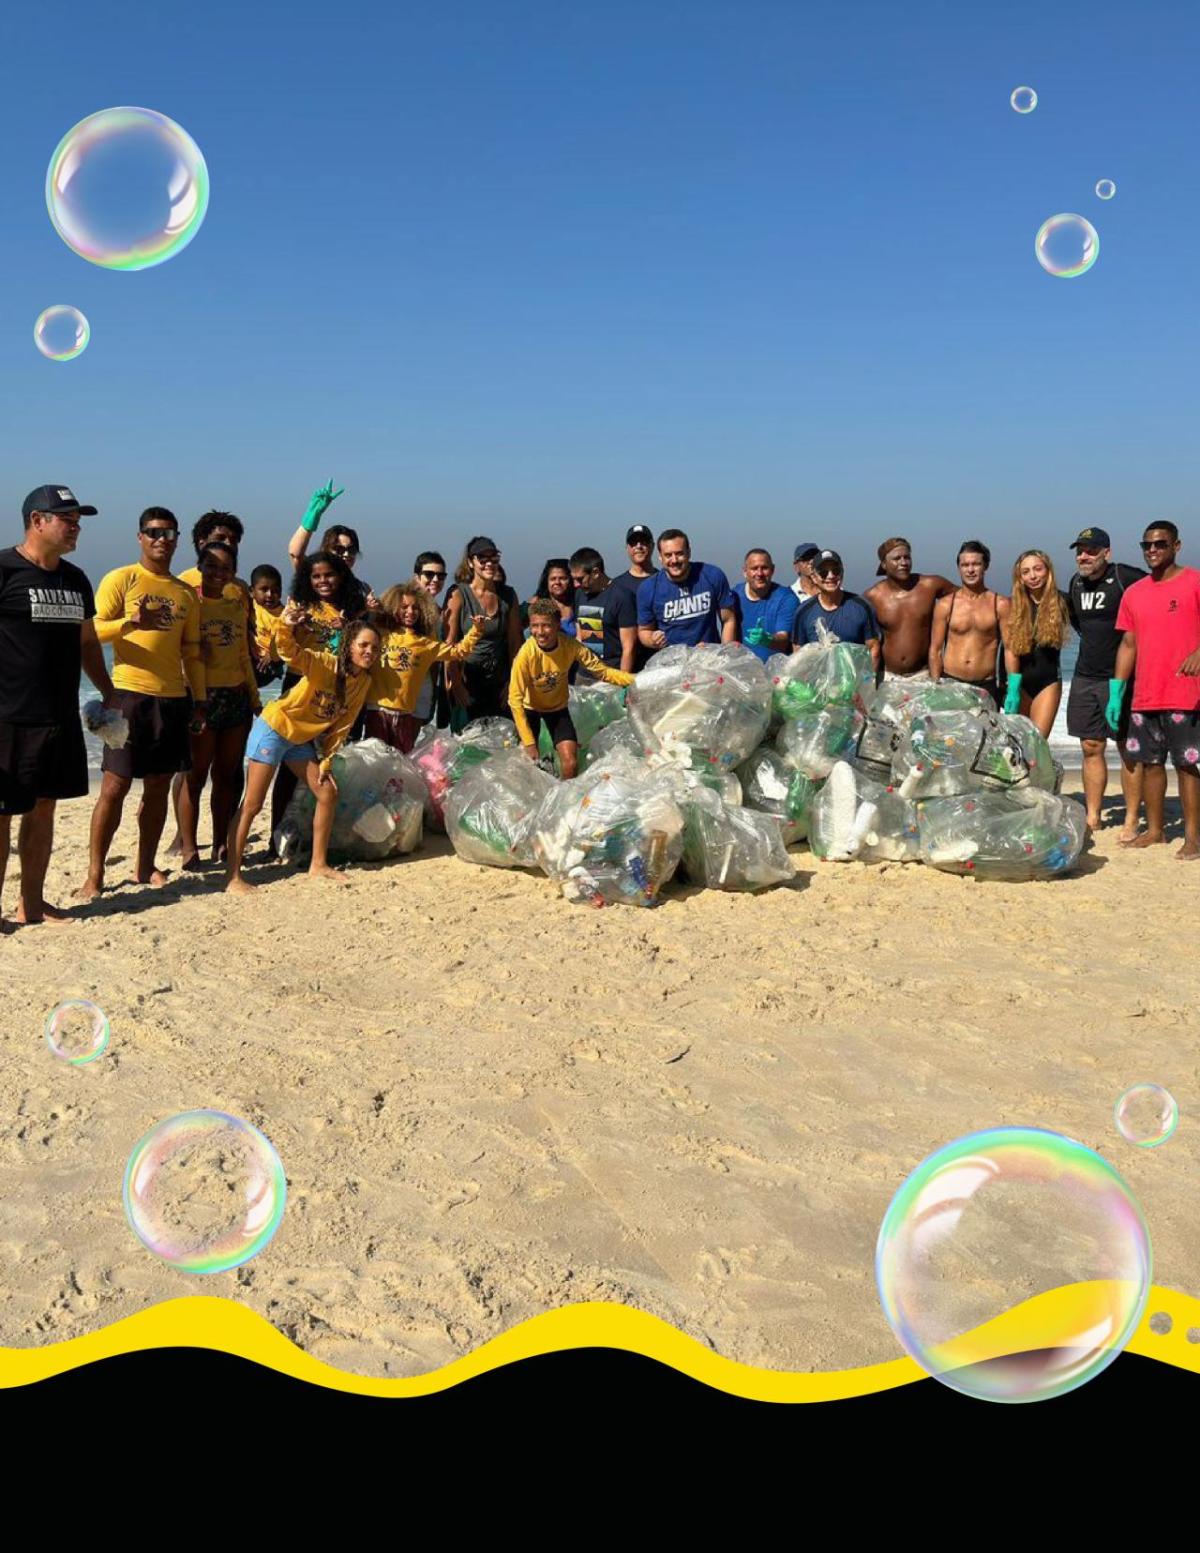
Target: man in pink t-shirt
{"type": "Point", "coordinates": [1160, 616]}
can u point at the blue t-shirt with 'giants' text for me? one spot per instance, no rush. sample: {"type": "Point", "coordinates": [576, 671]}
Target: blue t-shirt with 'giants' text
{"type": "Point", "coordinates": [686, 614]}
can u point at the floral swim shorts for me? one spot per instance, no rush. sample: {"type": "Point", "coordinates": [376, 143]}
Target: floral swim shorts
{"type": "Point", "coordinates": [1155, 735]}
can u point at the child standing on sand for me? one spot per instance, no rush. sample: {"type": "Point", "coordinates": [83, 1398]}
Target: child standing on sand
{"type": "Point", "coordinates": [320, 709]}
{"type": "Point", "coordinates": [410, 649]}
{"type": "Point", "coordinates": [537, 686]}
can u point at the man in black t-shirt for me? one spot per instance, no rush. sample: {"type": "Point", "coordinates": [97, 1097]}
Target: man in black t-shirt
{"type": "Point", "coordinates": [46, 636]}
{"type": "Point", "coordinates": [639, 546]}
{"type": "Point", "coordinates": [1093, 599]}
{"type": "Point", "coordinates": [605, 616]}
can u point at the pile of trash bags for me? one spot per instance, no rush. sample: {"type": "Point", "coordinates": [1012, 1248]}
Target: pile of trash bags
{"type": "Point", "coordinates": [717, 764]}
{"type": "Point", "coordinates": [380, 807]}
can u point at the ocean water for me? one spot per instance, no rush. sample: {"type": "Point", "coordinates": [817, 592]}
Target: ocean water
{"type": "Point", "coordinates": [1065, 749]}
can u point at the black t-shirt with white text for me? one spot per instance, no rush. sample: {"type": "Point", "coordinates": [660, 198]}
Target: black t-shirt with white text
{"type": "Point", "coordinates": [41, 613]}
{"type": "Point", "coordinates": [599, 618]}
{"type": "Point", "coordinates": [1092, 606]}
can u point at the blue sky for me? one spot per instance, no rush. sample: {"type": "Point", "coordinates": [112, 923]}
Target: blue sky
{"type": "Point", "coordinates": [763, 271]}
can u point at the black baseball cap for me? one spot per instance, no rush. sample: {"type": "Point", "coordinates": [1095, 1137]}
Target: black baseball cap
{"type": "Point", "coordinates": [828, 558]}
{"type": "Point", "coordinates": [1092, 536]}
{"type": "Point", "coordinates": [804, 550]}
{"type": "Point", "coordinates": [54, 498]}
{"type": "Point", "coordinates": [482, 545]}
{"type": "Point", "coordinates": [639, 531]}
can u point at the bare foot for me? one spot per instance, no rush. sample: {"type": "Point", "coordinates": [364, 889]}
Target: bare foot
{"type": "Point", "coordinates": [157, 877]}
{"type": "Point", "coordinates": [1128, 837]}
{"type": "Point", "coordinates": [1148, 838]}
{"type": "Point", "coordinates": [1094, 822]}
{"type": "Point", "coordinates": [335, 875]}
{"type": "Point", "coordinates": [1189, 852]}
{"type": "Point", "coordinates": [240, 886]}
{"type": "Point", "coordinates": [48, 913]}
{"type": "Point", "coordinates": [176, 845]}
{"type": "Point", "coordinates": [89, 890]}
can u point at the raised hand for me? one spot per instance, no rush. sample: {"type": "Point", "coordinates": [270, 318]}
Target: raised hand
{"type": "Point", "coordinates": [319, 503]}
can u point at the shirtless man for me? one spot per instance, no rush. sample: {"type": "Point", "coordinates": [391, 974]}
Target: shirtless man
{"type": "Point", "coordinates": [969, 625]}
{"type": "Point", "coordinates": [903, 603]}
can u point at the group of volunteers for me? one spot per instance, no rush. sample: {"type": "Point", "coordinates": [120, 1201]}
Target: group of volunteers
{"type": "Point", "coordinates": [192, 650]}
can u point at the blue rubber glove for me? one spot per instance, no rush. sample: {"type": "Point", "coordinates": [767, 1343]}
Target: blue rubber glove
{"type": "Point", "coordinates": [756, 636]}
{"type": "Point", "coordinates": [319, 503]}
{"type": "Point", "coordinates": [1116, 699]}
{"type": "Point", "coordinates": [1012, 696]}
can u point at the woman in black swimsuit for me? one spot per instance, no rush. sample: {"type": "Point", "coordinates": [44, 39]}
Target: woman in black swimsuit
{"type": "Point", "coordinates": [1037, 629]}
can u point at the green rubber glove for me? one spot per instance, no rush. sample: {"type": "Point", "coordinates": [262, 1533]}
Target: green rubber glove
{"type": "Point", "coordinates": [1012, 696]}
{"type": "Point", "coordinates": [756, 636]}
{"type": "Point", "coordinates": [1116, 698]}
{"type": "Point", "coordinates": [319, 503]}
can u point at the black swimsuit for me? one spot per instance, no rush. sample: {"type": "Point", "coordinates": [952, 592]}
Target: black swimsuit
{"type": "Point", "coordinates": [991, 685]}
{"type": "Point", "coordinates": [1040, 668]}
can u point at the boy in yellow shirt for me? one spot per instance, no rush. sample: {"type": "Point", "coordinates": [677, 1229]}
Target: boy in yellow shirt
{"type": "Point", "coordinates": [537, 684]}
{"type": "Point", "coordinates": [266, 589]}
{"type": "Point", "coordinates": [303, 731]}
{"type": "Point", "coordinates": [153, 622]}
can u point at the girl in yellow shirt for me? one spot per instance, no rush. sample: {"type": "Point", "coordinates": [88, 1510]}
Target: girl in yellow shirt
{"type": "Point", "coordinates": [303, 731]}
{"type": "Point", "coordinates": [410, 650]}
{"type": "Point", "coordinates": [219, 730]}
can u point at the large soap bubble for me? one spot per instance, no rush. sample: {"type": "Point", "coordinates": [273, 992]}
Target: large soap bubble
{"type": "Point", "coordinates": [61, 333]}
{"type": "Point", "coordinates": [204, 1191]}
{"type": "Point", "coordinates": [1013, 1264]}
{"type": "Point", "coordinates": [1066, 246]}
{"type": "Point", "coordinates": [127, 188]}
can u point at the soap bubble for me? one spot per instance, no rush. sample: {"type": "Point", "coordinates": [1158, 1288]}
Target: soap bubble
{"type": "Point", "coordinates": [1066, 246]}
{"type": "Point", "coordinates": [77, 1031]}
{"type": "Point", "coordinates": [1024, 99]}
{"type": "Point", "coordinates": [1013, 1264]}
{"type": "Point", "coordinates": [61, 332]}
{"type": "Point", "coordinates": [204, 1191]}
{"type": "Point", "coordinates": [1106, 188]}
{"type": "Point", "coordinates": [1160, 1324]}
{"type": "Point", "coordinates": [127, 188]}
{"type": "Point", "coordinates": [1146, 1115]}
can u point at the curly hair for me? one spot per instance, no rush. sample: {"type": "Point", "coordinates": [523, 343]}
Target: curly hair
{"type": "Point", "coordinates": [1036, 622]}
{"type": "Point", "coordinates": [349, 636]}
{"type": "Point", "coordinates": [426, 606]}
{"type": "Point", "coordinates": [349, 598]}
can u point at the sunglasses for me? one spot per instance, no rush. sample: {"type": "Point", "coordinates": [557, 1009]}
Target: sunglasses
{"type": "Point", "coordinates": [343, 550]}
{"type": "Point", "coordinates": [161, 533]}
{"type": "Point", "coordinates": [830, 571]}
{"type": "Point", "coordinates": [434, 576]}
{"type": "Point", "coordinates": [1157, 544]}
{"type": "Point", "coordinates": [492, 555]}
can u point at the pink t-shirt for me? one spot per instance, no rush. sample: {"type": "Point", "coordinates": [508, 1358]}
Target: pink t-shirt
{"type": "Point", "coordinates": [1165, 616]}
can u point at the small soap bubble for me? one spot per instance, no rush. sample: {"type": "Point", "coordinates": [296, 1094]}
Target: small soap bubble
{"type": "Point", "coordinates": [1066, 246]}
{"type": "Point", "coordinates": [1160, 1323]}
{"type": "Point", "coordinates": [1146, 1115]}
{"type": "Point", "coordinates": [1193, 1334]}
{"type": "Point", "coordinates": [1106, 188]}
{"type": "Point", "coordinates": [61, 333]}
{"type": "Point", "coordinates": [205, 1191]}
{"type": "Point", "coordinates": [127, 188]}
{"type": "Point", "coordinates": [1014, 1264]}
{"type": "Point", "coordinates": [1024, 99]}
{"type": "Point", "coordinates": [77, 1031]}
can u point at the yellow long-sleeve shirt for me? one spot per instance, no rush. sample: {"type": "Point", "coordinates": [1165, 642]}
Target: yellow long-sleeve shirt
{"type": "Point", "coordinates": [235, 589]}
{"type": "Point", "coordinates": [537, 681]}
{"type": "Point", "coordinates": [265, 623]}
{"type": "Point", "coordinates": [313, 708]}
{"type": "Point", "coordinates": [154, 663]}
{"type": "Point", "coordinates": [406, 659]}
{"type": "Point", "coordinates": [223, 644]}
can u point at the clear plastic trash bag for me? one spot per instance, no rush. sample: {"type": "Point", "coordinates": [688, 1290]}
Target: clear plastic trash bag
{"type": "Point", "coordinates": [814, 742]}
{"type": "Point", "coordinates": [380, 807]}
{"type": "Point", "coordinates": [713, 700]}
{"type": "Point", "coordinates": [854, 817]}
{"type": "Point", "coordinates": [1022, 833]}
{"type": "Point", "coordinates": [771, 786]}
{"type": "Point", "coordinates": [490, 813]}
{"type": "Point", "coordinates": [945, 753]}
{"type": "Point", "coordinates": [728, 848]}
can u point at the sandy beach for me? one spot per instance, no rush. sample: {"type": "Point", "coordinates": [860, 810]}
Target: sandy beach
{"type": "Point", "coordinates": [489, 1103]}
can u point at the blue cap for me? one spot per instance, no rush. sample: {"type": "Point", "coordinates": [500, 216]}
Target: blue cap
{"type": "Point", "coordinates": [804, 549]}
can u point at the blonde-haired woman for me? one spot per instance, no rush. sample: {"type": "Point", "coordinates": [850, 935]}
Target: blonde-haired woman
{"type": "Point", "coordinates": [1037, 628]}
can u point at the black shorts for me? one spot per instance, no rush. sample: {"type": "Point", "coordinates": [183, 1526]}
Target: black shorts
{"type": "Point", "coordinates": [1086, 703]}
{"type": "Point", "coordinates": [558, 724]}
{"type": "Point", "coordinates": [1155, 735]}
{"type": "Point", "coordinates": [159, 742]}
{"type": "Point", "coordinates": [229, 707]}
{"type": "Point", "coordinates": [41, 761]}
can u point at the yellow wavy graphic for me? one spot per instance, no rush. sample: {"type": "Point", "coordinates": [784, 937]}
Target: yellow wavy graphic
{"type": "Point", "coordinates": [226, 1326]}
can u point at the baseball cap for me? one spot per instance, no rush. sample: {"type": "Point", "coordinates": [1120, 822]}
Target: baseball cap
{"type": "Point", "coordinates": [1091, 536]}
{"type": "Point", "coordinates": [827, 557]}
{"type": "Point", "coordinates": [804, 549]}
{"type": "Point", "coordinates": [54, 498]}
{"type": "Point", "coordinates": [889, 544]}
{"type": "Point", "coordinates": [639, 531]}
{"type": "Point", "coordinates": [482, 545]}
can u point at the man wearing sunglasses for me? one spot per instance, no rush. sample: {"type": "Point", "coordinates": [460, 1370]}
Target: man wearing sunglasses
{"type": "Point", "coordinates": [47, 636]}
{"type": "Point", "coordinates": [1093, 599]}
{"type": "Point", "coordinates": [848, 617]}
{"type": "Point", "coordinates": [1160, 650]}
{"type": "Point", "coordinates": [430, 571]}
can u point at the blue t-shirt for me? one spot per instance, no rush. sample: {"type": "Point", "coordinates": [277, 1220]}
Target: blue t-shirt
{"type": "Point", "coordinates": [690, 614]}
{"type": "Point", "coordinates": [775, 614]}
{"type": "Point", "coordinates": [852, 621]}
